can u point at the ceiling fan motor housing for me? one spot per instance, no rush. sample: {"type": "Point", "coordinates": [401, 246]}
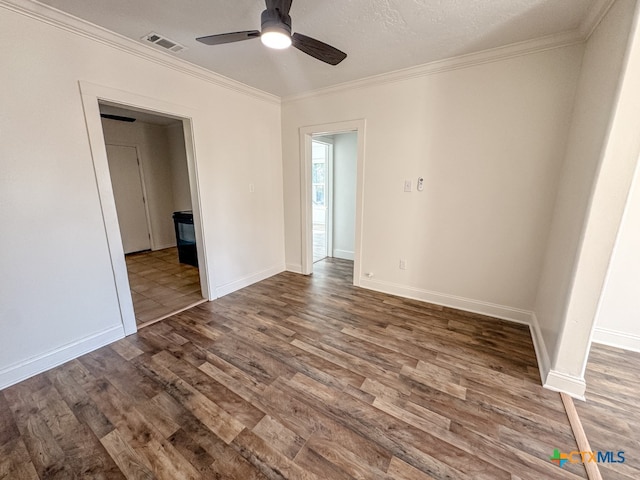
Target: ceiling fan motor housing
{"type": "Point", "coordinates": [274, 19]}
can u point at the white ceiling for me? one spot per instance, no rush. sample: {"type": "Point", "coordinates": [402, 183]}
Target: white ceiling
{"type": "Point", "coordinates": [378, 35]}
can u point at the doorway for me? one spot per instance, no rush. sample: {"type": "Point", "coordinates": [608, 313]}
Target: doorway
{"type": "Point", "coordinates": [332, 169]}
{"type": "Point", "coordinates": [322, 196]}
{"type": "Point", "coordinates": [93, 97]}
{"type": "Point", "coordinates": [147, 161]}
{"type": "Point", "coordinates": [148, 168]}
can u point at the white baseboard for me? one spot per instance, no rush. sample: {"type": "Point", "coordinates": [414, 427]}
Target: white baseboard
{"type": "Point", "coordinates": [550, 379]}
{"type": "Point", "coordinates": [163, 246]}
{"type": "Point", "coordinates": [469, 305]}
{"type": "Point", "coordinates": [343, 254]}
{"type": "Point", "coordinates": [231, 287]}
{"type": "Point", "coordinates": [553, 379]}
{"type": "Point", "coordinates": [540, 347]}
{"type": "Point", "coordinates": [41, 363]}
{"type": "Point", "coordinates": [618, 339]}
{"type": "Point", "coordinates": [294, 267]}
{"type": "Point", "coordinates": [561, 382]}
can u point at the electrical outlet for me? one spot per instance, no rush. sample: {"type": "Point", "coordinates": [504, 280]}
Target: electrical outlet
{"type": "Point", "coordinates": [403, 264]}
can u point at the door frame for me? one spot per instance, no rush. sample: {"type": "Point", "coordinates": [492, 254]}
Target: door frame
{"type": "Point", "coordinates": [328, 191]}
{"type": "Point", "coordinates": [91, 96]}
{"type": "Point", "coordinates": [306, 217]}
{"type": "Point", "coordinates": [143, 184]}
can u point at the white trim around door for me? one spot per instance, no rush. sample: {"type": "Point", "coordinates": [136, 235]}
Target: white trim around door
{"type": "Point", "coordinates": [91, 95]}
{"type": "Point", "coordinates": [305, 135]}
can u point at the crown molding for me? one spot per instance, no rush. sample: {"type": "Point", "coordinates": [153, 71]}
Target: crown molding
{"type": "Point", "coordinates": [454, 63]}
{"type": "Point", "coordinates": [77, 26]}
{"type": "Point", "coordinates": [594, 16]}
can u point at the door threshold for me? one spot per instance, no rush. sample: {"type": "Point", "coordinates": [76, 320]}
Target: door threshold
{"type": "Point", "coordinates": [175, 312]}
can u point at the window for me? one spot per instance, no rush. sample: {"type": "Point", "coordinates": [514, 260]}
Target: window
{"type": "Point", "coordinates": [318, 179]}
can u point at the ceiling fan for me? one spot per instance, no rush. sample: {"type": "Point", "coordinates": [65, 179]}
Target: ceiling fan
{"type": "Point", "coordinates": [276, 33]}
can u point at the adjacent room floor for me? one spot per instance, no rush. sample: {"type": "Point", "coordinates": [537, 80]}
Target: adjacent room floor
{"type": "Point", "coordinates": [319, 242]}
{"type": "Point", "coordinates": [295, 377]}
{"type": "Point", "coordinates": [611, 414]}
{"type": "Point", "coordinates": [161, 285]}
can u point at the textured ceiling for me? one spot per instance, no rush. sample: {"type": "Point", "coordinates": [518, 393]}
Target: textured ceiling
{"type": "Point", "coordinates": [378, 35]}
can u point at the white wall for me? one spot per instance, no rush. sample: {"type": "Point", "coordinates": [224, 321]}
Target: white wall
{"type": "Point", "coordinates": [489, 140]}
{"type": "Point", "coordinates": [155, 158]}
{"type": "Point", "coordinates": [345, 156]}
{"type": "Point", "coordinates": [179, 172]}
{"type": "Point", "coordinates": [618, 321]}
{"type": "Point", "coordinates": [57, 293]}
{"type": "Point", "coordinates": [564, 312]}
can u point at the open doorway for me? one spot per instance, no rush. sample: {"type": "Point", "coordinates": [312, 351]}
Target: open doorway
{"type": "Point", "coordinates": [333, 195]}
{"type": "Point", "coordinates": [321, 196]}
{"type": "Point", "coordinates": [332, 167]}
{"type": "Point", "coordinates": [147, 161]}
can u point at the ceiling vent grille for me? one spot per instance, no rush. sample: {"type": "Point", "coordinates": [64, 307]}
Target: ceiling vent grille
{"type": "Point", "coordinates": [163, 42]}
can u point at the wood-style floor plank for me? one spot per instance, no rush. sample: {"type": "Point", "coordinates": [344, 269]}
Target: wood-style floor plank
{"type": "Point", "coordinates": [160, 284]}
{"type": "Point", "coordinates": [15, 461]}
{"type": "Point", "coordinates": [298, 378]}
{"type": "Point", "coordinates": [611, 414]}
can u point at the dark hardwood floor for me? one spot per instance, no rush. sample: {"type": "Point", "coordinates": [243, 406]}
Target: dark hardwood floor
{"type": "Point", "coordinates": [299, 378]}
{"type": "Point", "coordinates": [611, 415]}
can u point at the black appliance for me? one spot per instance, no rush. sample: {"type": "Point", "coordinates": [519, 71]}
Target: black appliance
{"type": "Point", "coordinates": [185, 237]}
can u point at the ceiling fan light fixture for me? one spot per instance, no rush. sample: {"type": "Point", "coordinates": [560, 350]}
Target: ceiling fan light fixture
{"type": "Point", "coordinates": [276, 33]}
{"type": "Point", "coordinates": [276, 37]}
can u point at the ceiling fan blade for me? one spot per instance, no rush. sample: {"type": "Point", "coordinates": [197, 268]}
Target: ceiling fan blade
{"type": "Point", "coordinates": [317, 49]}
{"type": "Point", "coordinates": [229, 37]}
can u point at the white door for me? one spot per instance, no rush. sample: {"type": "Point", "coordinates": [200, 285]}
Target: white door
{"type": "Point", "coordinates": [129, 197]}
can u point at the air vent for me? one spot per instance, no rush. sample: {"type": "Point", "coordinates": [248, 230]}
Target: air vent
{"type": "Point", "coordinates": [163, 42]}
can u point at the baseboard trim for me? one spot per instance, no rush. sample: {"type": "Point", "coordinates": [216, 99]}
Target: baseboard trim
{"type": "Point", "coordinates": [563, 383]}
{"type": "Point", "coordinates": [343, 254]}
{"type": "Point", "coordinates": [164, 246]}
{"type": "Point", "coordinates": [461, 303]}
{"type": "Point", "coordinates": [540, 347]}
{"type": "Point", "coordinates": [41, 363]}
{"type": "Point", "coordinates": [231, 287]}
{"type": "Point", "coordinates": [614, 338]}
{"type": "Point", "coordinates": [553, 379]}
{"type": "Point", "coordinates": [294, 268]}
